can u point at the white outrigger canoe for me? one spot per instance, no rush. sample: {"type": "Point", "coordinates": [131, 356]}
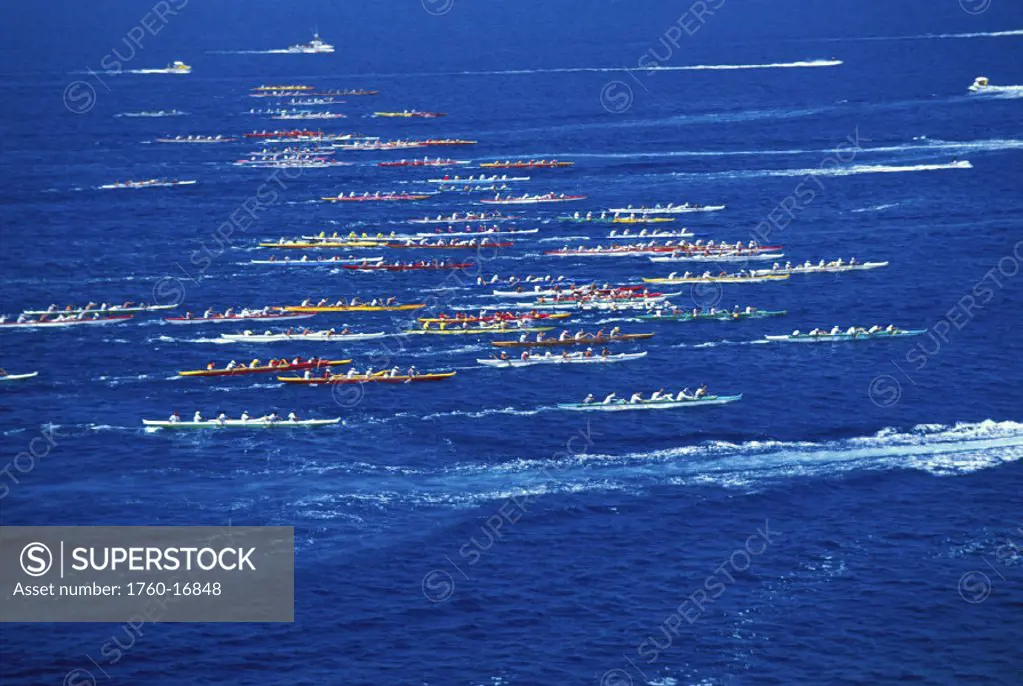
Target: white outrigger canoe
{"type": "Point", "coordinates": [719, 257]}
{"type": "Point", "coordinates": [471, 234]}
{"type": "Point", "coordinates": [62, 323]}
{"type": "Point", "coordinates": [312, 336]}
{"type": "Point", "coordinates": [576, 358]}
{"type": "Point", "coordinates": [596, 304]}
{"type": "Point", "coordinates": [622, 405]}
{"type": "Point", "coordinates": [468, 217]}
{"type": "Point", "coordinates": [113, 309]}
{"type": "Point", "coordinates": [839, 337]}
{"type": "Point", "coordinates": [536, 292]}
{"type": "Point", "coordinates": [155, 183]}
{"type": "Point", "coordinates": [826, 269]}
{"type": "Point", "coordinates": [479, 179]}
{"type": "Point", "coordinates": [221, 319]}
{"type": "Point", "coordinates": [239, 424]}
{"type": "Point", "coordinates": [18, 377]}
{"type": "Point", "coordinates": [667, 209]}
{"type": "Point", "coordinates": [681, 233]}
{"type": "Point", "coordinates": [729, 278]}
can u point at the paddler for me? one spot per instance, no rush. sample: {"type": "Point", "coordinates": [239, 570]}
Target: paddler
{"type": "Point", "coordinates": [174, 418]}
{"type": "Point", "coordinates": [701, 391]}
{"type": "Point", "coordinates": [589, 399]}
{"type": "Point", "coordinates": [197, 417]}
{"type": "Point", "coordinates": [636, 398]}
{"type": "Point", "coordinates": [608, 400]}
{"type": "Point", "coordinates": [292, 417]}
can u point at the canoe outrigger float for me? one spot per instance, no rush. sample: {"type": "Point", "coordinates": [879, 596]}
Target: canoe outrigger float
{"type": "Point", "coordinates": [575, 358]}
{"type": "Point", "coordinates": [17, 377]}
{"type": "Point", "coordinates": [380, 377]}
{"type": "Point", "coordinates": [723, 316]}
{"type": "Point", "coordinates": [588, 340]}
{"type": "Point", "coordinates": [727, 278]}
{"type": "Point", "coordinates": [621, 405]}
{"type": "Point", "coordinates": [352, 308]}
{"type": "Point", "coordinates": [240, 424]}
{"type": "Point", "coordinates": [840, 337]}
{"type": "Point", "coordinates": [263, 369]}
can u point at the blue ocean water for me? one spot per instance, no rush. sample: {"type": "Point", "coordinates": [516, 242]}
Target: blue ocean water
{"type": "Point", "coordinates": [855, 518]}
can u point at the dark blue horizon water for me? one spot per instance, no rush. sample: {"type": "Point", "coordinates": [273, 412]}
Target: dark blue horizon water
{"type": "Point", "coordinates": [878, 482]}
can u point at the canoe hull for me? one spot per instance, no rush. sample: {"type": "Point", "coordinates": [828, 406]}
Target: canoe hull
{"type": "Point", "coordinates": [659, 405]}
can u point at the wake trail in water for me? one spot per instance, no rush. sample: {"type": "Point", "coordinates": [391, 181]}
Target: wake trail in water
{"type": "Point", "coordinates": [939, 450]}
{"type": "Point", "coordinates": [803, 64]}
{"type": "Point", "coordinates": [830, 171]}
{"type": "Point", "coordinates": [922, 144]}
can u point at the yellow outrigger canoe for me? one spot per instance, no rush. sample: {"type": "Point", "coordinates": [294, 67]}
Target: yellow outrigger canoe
{"type": "Point", "coordinates": [305, 245]}
{"type": "Point", "coordinates": [642, 220]}
{"type": "Point", "coordinates": [352, 308]}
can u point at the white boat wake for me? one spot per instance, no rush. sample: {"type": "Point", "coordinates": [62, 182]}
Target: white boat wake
{"type": "Point", "coordinates": [942, 451]}
{"type": "Point", "coordinates": [849, 170]}
{"type": "Point", "coordinates": [694, 67]}
{"type": "Point", "coordinates": [918, 144]}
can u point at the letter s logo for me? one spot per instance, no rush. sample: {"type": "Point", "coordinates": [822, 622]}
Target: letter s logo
{"type": "Point", "coordinates": [36, 559]}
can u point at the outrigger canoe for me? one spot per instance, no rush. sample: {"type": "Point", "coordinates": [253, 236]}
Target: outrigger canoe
{"type": "Point", "coordinates": [480, 330]}
{"type": "Point", "coordinates": [311, 336]}
{"type": "Point", "coordinates": [239, 424]}
{"type": "Point", "coordinates": [725, 316]}
{"type": "Point", "coordinates": [765, 278]}
{"type": "Point", "coordinates": [590, 340]}
{"type": "Point", "coordinates": [622, 405]}
{"type": "Point", "coordinates": [362, 378]}
{"type": "Point", "coordinates": [558, 359]}
{"type": "Point", "coordinates": [53, 324]}
{"type": "Point", "coordinates": [332, 262]}
{"type": "Point", "coordinates": [839, 337]}
{"type": "Point", "coordinates": [221, 319]}
{"type": "Point", "coordinates": [495, 318]}
{"type": "Point", "coordinates": [263, 369]}
{"type": "Point", "coordinates": [353, 308]}
{"type": "Point", "coordinates": [377, 267]}
{"type": "Point", "coordinates": [115, 309]}
{"type": "Point", "coordinates": [309, 245]}
{"type": "Point", "coordinates": [18, 377]}
{"type": "Point", "coordinates": [826, 269]}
